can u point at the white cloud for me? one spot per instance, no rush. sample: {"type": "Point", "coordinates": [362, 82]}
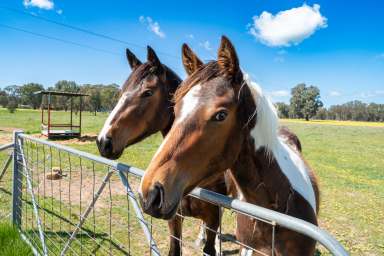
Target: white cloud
{"type": "Point", "coordinates": [60, 11]}
{"type": "Point", "coordinates": [152, 26]}
{"type": "Point", "coordinates": [334, 93]}
{"type": "Point", "coordinates": [278, 93]}
{"type": "Point", "coordinates": [287, 27]}
{"type": "Point", "coordinates": [42, 4]}
{"type": "Point", "coordinates": [206, 45]}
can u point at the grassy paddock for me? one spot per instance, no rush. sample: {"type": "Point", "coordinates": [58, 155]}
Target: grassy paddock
{"type": "Point", "coordinates": [11, 243]}
{"type": "Point", "coordinates": [348, 158]}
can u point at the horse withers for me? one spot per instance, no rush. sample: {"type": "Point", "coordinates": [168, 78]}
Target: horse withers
{"type": "Point", "coordinates": [145, 107]}
{"type": "Point", "coordinates": [224, 121]}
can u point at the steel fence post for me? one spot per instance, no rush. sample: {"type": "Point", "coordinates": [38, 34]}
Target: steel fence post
{"type": "Point", "coordinates": [16, 184]}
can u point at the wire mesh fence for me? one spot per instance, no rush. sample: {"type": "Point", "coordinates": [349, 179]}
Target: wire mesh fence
{"type": "Point", "coordinates": [70, 202]}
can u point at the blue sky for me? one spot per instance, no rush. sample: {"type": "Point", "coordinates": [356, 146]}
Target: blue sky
{"type": "Point", "coordinates": [335, 45]}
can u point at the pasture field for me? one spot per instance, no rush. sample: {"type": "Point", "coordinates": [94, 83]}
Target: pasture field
{"type": "Point", "coordinates": [348, 158]}
{"type": "Point", "coordinates": [10, 242]}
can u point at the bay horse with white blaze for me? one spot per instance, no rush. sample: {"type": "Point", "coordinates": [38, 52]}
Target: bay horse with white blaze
{"type": "Point", "coordinates": [224, 121]}
{"type": "Point", "coordinates": [144, 108]}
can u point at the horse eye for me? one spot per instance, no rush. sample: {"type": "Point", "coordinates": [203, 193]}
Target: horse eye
{"type": "Point", "coordinates": [147, 93]}
{"type": "Point", "coordinates": [220, 116]}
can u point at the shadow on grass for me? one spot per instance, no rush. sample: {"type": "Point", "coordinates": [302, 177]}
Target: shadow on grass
{"type": "Point", "coordinates": [85, 138]}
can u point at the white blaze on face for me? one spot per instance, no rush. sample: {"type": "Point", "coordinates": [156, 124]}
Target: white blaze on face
{"type": "Point", "coordinates": [189, 103]}
{"type": "Point", "coordinates": [112, 115]}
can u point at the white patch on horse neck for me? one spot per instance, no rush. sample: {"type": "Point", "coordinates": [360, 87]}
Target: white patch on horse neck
{"type": "Point", "coordinates": [296, 171]}
{"type": "Point", "coordinates": [265, 134]}
{"type": "Point", "coordinates": [107, 124]}
{"type": "Point", "coordinates": [189, 103]}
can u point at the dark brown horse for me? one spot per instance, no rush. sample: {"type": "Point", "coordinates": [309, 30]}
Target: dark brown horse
{"type": "Point", "coordinates": [224, 121]}
{"type": "Point", "coordinates": [145, 107]}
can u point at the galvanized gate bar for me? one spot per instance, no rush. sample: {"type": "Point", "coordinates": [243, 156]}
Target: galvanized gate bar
{"type": "Point", "coordinates": [86, 212]}
{"type": "Point", "coordinates": [34, 204]}
{"type": "Point", "coordinates": [283, 220]}
{"type": "Point", "coordinates": [139, 214]}
{"type": "Point", "coordinates": [6, 146]}
{"type": "Point", "coordinates": [115, 165]}
{"type": "Point", "coordinates": [25, 238]}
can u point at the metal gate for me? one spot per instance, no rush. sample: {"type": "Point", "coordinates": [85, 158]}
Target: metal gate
{"type": "Point", "coordinates": [69, 202]}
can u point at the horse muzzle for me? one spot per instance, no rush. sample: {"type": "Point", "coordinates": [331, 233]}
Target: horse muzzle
{"type": "Point", "coordinates": [105, 146]}
{"type": "Point", "coordinates": [155, 205]}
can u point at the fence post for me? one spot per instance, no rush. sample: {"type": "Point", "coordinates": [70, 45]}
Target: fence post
{"type": "Point", "coordinates": [17, 183]}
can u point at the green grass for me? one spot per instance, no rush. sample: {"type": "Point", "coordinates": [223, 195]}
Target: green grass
{"type": "Point", "coordinates": [348, 160]}
{"type": "Point", "coordinates": [10, 242]}
{"type": "Point", "coordinates": [30, 120]}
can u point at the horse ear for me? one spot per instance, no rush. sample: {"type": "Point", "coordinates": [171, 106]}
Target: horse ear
{"type": "Point", "coordinates": [190, 60]}
{"type": "Point", "coordinates": [152, 57]}
{"type": "Point", "coordinates": [133, 61]}
{"type": "Point", "coordinates": [227, 58]}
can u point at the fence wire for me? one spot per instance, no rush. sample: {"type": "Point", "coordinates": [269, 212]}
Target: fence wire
{"type": "Point", "coordinates": [75, 203]}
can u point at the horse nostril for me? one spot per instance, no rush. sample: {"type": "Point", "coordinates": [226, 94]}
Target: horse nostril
{"type": "Point", "coordinates": [108, 144]}
{"type": "Point", "coordinates": [156, 197]}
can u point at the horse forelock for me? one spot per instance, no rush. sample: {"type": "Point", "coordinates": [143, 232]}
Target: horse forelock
{"type": "Point", "coordinates": [205, 73]}
{"type": "Point", "coordinates": [145, 70]}
{"type": "Point", "coordinates": [136, 76]}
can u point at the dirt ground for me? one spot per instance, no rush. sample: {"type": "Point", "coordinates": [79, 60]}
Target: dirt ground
{"type": "Point", "coordinates": [6, 135]}
{"type": "Point", "coordinates": [76, 188]}
{"type": "Point", "coordinates": [87, 138]}
{"type": "Point", "coordinates": [84, 139]}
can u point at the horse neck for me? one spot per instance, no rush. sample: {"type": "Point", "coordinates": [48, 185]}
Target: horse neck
{"type": "Point", "coordinates": [260, 179]}
{"type": "Point", "coordinates": [172, 82]}
{"type": "Point", "coordinates": [248, 173]}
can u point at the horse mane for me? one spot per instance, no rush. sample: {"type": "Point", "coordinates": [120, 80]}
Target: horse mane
{"type": "Point", "coordinates": [173, 78]}
{"type": "Point", "coordinates": [265, 134]}
{"type": "Point", "coordinates": [265, 131]}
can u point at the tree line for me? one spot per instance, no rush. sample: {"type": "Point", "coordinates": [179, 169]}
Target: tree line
{"type": "Point", "coordinates": [101, 97]}
{"type": "Point", "coordinates": [305, 103]}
